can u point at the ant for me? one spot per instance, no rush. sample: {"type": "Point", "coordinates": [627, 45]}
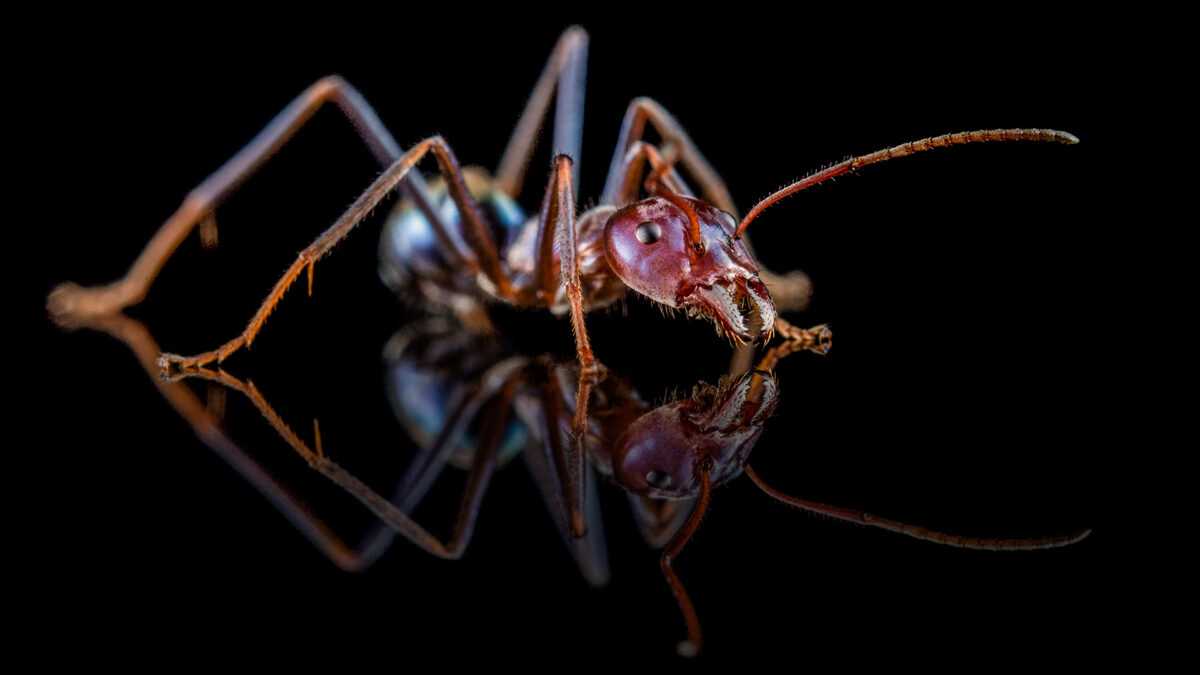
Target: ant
{"type": "Point", "coordinates": [471, 404]}
{"type": "Point", "coordinates": [463, 242]}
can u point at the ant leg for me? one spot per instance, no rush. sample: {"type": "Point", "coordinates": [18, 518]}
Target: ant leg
{"type": "Point", "coordinates": [565, 72]}
{"type": "Point", "coordinates": [69, 303]}
{"type": "Point", "coordinates": [915, 531]}
{"type": "Point", "coordinates": [566, 454]}
{"type": "Point", "coordinates": [633, 127]}
{"type": "Point", "coordinates": [481, 471]}
{"type": "Point", "coordinates": [691, 647]}
{"type": "Point", "coordinates": [138, 339]}
{"type": "Point", "coordinates": [629, 173]}
{"type": "Point", "coordinates": [546, 462]}
{"type": "Point", "coordinates": [476, 234]}
{"type": "Point", "coordinates": [428, 465]}
{"type": "Point", "coordinates": [556, 234]}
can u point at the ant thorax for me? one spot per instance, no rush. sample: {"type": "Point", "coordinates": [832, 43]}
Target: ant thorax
{"type": "Point", "coordinates": [411, 257]}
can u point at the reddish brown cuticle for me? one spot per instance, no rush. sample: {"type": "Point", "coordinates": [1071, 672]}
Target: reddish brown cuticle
{"type": "Point", "coordinates": [672, 268]}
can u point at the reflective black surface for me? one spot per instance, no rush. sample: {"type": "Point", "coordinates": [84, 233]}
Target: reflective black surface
{"type": "Point", "coordinates": [965, 391]}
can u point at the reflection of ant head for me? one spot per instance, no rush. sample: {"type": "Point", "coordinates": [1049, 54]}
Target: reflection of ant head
{"type": "Point", "coordinates": [661, 454]}
{"type": "Point", "coordinates": [681, 252]}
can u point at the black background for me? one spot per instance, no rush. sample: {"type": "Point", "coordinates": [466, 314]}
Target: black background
{"type": "Point", "coordinates": [965, 391]}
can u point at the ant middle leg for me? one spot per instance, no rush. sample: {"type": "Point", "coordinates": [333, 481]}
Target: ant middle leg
{"type": "Point", "coordinates": [70, 303]}
{"type": "Point", "coordinates": [484, 256]}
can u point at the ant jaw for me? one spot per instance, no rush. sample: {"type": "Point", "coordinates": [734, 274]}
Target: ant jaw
{"type": "Point", "coordinates": [740, 307]}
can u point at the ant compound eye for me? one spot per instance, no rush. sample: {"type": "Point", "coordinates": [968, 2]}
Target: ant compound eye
{"type": "Point", "coordinates": [658, 479]}
{"type": "Point", "coordinates": [648, 232]}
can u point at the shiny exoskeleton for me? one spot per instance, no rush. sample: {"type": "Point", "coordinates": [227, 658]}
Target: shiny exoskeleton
{"type": "Point", "coordinates": [671, 246]}
{"type": "Point", "coordinates": [461, 242]}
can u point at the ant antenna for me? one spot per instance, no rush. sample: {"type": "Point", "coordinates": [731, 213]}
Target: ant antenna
{"type": "Point", "coordinates": [691, 646]}
{"type": "Point", "coordinates": [910, 148]}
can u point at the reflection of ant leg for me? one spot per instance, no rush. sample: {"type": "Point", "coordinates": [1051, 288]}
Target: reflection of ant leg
{"type": "Point", "coordinates": [589, 551]}
{"type": "Point", "coordinates": [566, 451]}
{"type": "Point", "coordinates": [916, 531]}
{"type": "Point", "coordinates": [817, 339]}
{"type": "Point", "coordinates": [464, 409]}
{"type": "Point", "coordinates": [135, 336]}
{"type": "Point", "coordinates": [481, 471]}
{"type": "Point", "coordinates": [691, 646]}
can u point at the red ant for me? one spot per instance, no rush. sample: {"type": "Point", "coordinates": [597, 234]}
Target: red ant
{"type": "Point", "coordinates": [462, 242]}
{"type": "Point", "coordinates": [672, 247]}
{"type": "Point", "coordinates": [468, 403]}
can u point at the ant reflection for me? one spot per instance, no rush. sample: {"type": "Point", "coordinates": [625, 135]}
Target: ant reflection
{"type": "Point", "coordinates": [472, 406]}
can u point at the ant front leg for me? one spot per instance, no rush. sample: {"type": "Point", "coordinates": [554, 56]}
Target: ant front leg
{"type": "Point", "coordinates": [694, 641]}
{"type": "Point", "coordinates": [817, 339]}
{"type": "Point", "coordinates": [482, 255]}
{"type": "Point", "coordinates": [70, 303]}
{"type": "Point", "coordinates": [556, 234]}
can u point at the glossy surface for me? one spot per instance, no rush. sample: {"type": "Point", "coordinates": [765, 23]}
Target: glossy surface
{"type": "Point", "coordinates": [968, 389]}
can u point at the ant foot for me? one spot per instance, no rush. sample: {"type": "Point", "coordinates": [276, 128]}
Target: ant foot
{"type": "Point", "coordinates": [172, 365]}
{"type": "Point", "coordinates": [70, 304]}
{"type": "Point", "coordinates": [817, 339]}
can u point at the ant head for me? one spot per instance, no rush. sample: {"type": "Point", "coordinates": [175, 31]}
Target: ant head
{"type": "Point", "coordinates": [681, 252]}
{"type": "Point", "coordinates": [663, 452]}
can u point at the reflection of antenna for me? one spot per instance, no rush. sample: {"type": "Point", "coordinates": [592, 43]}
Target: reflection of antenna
{"type": "Point", "coordinates": [691, 646]}
{"type": "Point", "coordinates": [916, 531]}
